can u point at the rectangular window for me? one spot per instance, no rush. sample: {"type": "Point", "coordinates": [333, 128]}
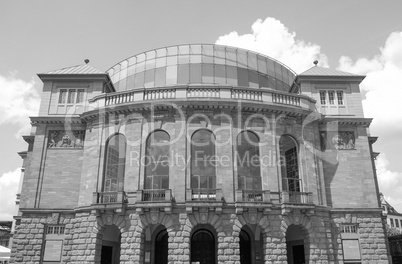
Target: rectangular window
{"type": "Point", "coordinates": [322, 97]}
{"type": "Point", "coordinates": [351, 250]}
{"type": "Point", "coordinates": [339, 95]}
{"type": "Point", "coordinates": [80, 96]}
{"type": "Point", "coordinates": [392, 222]}
{"type": "Point", "coordinates": [396, 223]}
{"type": "Point", "coordinates": [331, 97]}
{"type": "Point", "coordinates": [62, 96]}
{"type": "Point", "coordinates": [70, 101]}
{"type": "Point", "coordinates": [54, 236]}
{"type": "Point", "coordinates": [349, 229]}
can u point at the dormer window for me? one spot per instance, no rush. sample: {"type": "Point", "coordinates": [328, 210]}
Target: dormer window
{"type": "Point", "coordinates": [331, 97]}
{"type": "Point", "coordinates": [70, 100]}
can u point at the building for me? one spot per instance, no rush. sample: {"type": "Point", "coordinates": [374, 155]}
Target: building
{"type": "Point", "coordinates": [5, 241]}
{"type": "Point", "coordinates": [200, 154]}
{"type": "Point", "coordinates": [394, 218]}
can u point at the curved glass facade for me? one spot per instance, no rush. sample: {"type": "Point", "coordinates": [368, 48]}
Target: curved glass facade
{"type": "Point", "coordinates": [202, 64]}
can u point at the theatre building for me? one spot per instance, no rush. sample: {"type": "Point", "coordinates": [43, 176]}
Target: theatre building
{"type": "Point", "coordinates": [199, 154]}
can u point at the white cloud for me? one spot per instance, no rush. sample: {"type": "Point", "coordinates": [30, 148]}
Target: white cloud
{"type": "Point", "coordinates": [390, 182]}
{"type": "Point", "coordinates": [18, 101]}
{"type": "Point", "coordinates": [9, 182]}
{"type": "Point", "coordinates": [272, 38]}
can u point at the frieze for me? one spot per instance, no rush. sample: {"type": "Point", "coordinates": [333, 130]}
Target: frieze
{"type": "Point", "coordinates": [66, 139]}
{"type": "Point", "coordinates": [337, 140]}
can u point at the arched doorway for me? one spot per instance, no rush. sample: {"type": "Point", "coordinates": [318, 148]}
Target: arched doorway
{"type": "Point", "coordinates": [111, 238]}
{"type": "Point", "coordinates": [295, 245]}
{"type": "Point", "coordinates": [245, 248]}
{"type": "Point", "coordinates": [161, 247]}
{"type": "Point", "coordinates": [203, 247]}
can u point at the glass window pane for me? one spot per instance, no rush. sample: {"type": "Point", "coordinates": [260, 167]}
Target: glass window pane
{"type": "Point", "coordinates": [62, 96]}
{"type": "Point", "coordinates": [195, 49]}
{"type": "Point", "coordinates": [208, 50]}
{"type": "Point", "coordinates": [171, 75]}
{"type": "Point", "coordinates": [160, 76]}
{"type": "Point", "coordinates": [271, 67]}
{"type": "Point", "coordinates": [242, 77]}
{"type": "Point", "coordinates": [278, 71]}
{"type": "Point", "coordinates": [115, 163]}
{"type": "Point", "coordinates": [220, 75]}
{"type": "Point", "coordinates": [150, 55]}
{"type": "Point", "coordinates": [241, 58]}
{"type": "Point", "coordinates": [80, 96]}
{"type": "Point", "coordinates": [195, 73]}
{"type": "Point", "coordinates": [123, 74]}
{"type": "Point", "coordinates": [219, 55]}
{"type": "Point", "coordinates": [195, 58]}
{"type": "Point", "coordinates": [202, 149]}
{"type": "Point", "coordinates": [140, 57]}
{"type": "Point", "coordinates": [248, 159]}
{"type": "Point", "coordinates": [231, 57]}
{"type": "Point", "coordinates": [130, 82]}
{"type": "Point", "coordinates": [122, 85]}
{"type": "Point", "coordinates": [252, 61]}
{"type": "Point", "coordinates": [185, 49]}
{"type": "Point", "coordinates": [149, 78]}
{"type": "Point", "coordinates": [231, 73]}
{"type": "Point", "coordinates": [172, 60]}
{"type": "Point", "coordinates": [262, 64]}
{"type": "Point", "coordinates": [131, 70]}
{"type": "Point", "coordinates": [279, 86]}
{"type": "Point", "coordinates": [132, 61]}
{"type": "Point", "coordinates": [271, 82]}
{"type": "Point", "coordinates": [253, 79]}
{"type": "Point", "coordinates": [71, 96]}
{"type": "Point", "coordinates": [183, 74]}
{"type": "Point", "coordinates": [123, 64]}
{"type": "Point", "coordinates": [184, 59]}
{"type": "Point", "coordinates": [139, 80]}
{"type": "Point", "coordinates": [207, 59]}
{"type": "Point", "coordinates": [161, 53]}
{"type": "Point", "coordinates": [207, 73]}
{"type": "Point", "coordinates": [160, 62]}
{"type": "Point", "coordinates": [149, 64]}
{"type": "Point", "coordinates": [263, 80]}
{"type": "Point", "coordinates": [140, 67]}
{"type": "Point", "coordinates": [172, 51]}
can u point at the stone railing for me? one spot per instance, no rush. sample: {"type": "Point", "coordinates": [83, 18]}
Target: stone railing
{"type": "Point", "coordinates": [297, 197]}
{"type": "Point", "coordinates": [253, 196]}
{"type": "Point", "coordinates": [159, 195]}
{"type": "Point", "coordinates": [262, 95]}
{"type": "Point", "coordinates": [204, 194]}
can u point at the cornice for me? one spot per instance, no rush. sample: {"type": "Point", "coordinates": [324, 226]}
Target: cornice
{"type": "Point", "coordinates": [346, 120]}
{"type": "Point", "coordinates": [52, 120]}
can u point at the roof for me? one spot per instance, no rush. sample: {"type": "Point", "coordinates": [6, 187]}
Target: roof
{"type": "Point", "coordinates": [321, 71]}
{"type": "Point", "coordinates": [390, 208]}
{"type": "Point", "coordinates": [78, 69]}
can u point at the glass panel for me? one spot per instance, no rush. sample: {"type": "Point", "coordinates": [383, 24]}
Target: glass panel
{"type": "Point", "coordinates": [123, 74]}
{"type": "Point", "coordinates": [208, 50]}
{"type": "Point", "coordinates": [263, 81]}
{"type": "Point", "coordinates": [271, 82]}
{"type": "Point", "coordinates": [195, 58]}
{"type": "Point", "coordinates": [160, 76]}
{"type": "Point", "coordinates": [231, 73]}
{"type": "Point", "coordinates": [183, 74]}
{"type": "Point", "coordinates": [253, 79]}
{"type": "Point", "coordinates": [184, 59]}
{"type": "Point", "coordinates": [139, 80]}
{"type": "Point", "coordinates": [207, 59]}
{"type": "Point", "coordinates": [339, 95]}
{"type": "Point", "coordinates": [231, 57]}
{"type": "Point", "coordinates": [278, 71]}
{"type": "Point", "coordinates": [71, 96]}
{"type": "Point", "coordinates": [149, 64]}
{"type": "Point", "coordinates": [252, 61]}
{"type": "Point", "coordinates": [195, 73]}
{"type": "Point", "coordinates": [220, 75]}
{"type": "Point", "coordinates": [219, 55]}
{"type": "Point", "coordinates": [149, 78]}
{"type": "Point", "coordinates": [150, 55]}
{"type": "Point", "coordinates": [262, 64]}
{"type": "Point", "coordinates": [172, 60]}
{"type": "Point", "coordinates": [242, 77]}
{"type": "Point", "coordinates": [322, 97]}
{"type": "Point", "coordinates": [185, 49]}
{"type": "Point", "coordinates": [140, 67]}
{"type": "Point", "coordinates": [279, 86]}
{"type": "Point", "coordinates": [62, 96]}
{"type": "Point", "coordinates": [115, 163]}
{"type": "Point", "coordinates": [172, 51]}
{"type": "Point", "coordinates": [122, 85]}
{"type": "Point", "coordinates": [157, 154]}
{"type": "Point", "coordinates": [124, 64]}
{"type": "Point", "coordinates": [207, 73]}
{"type": "Point", "coordinates": [331, 97]}
{"type": "Point", "coordinates": [171, 75]}
{"type": "Point", "coordinates": [130, 82]}
{"type": "Point", "coordinates": [80, 96]}
{"type": "Point", "coordinates": [202, 149]}
{"type": "Point", "coordinates": [160, 62]}
{"type": "Point", "coordinates": [241, 58]}
{"type": "Point", "coordinates": [140, 57]}
{"type": "Point", "coordinates": [195, 49]}
{"type": "Point", "coordinates": [161, 53]}
{"type": "Point", "coordinates": [131, 70]}
{"type": "Point", "coordinates": [132, 61]}
{"type": "Point", "coordinates": [271, 67]}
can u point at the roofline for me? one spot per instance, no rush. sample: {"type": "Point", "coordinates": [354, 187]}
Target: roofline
{"type": "Point", "coordinates": [356, 78]}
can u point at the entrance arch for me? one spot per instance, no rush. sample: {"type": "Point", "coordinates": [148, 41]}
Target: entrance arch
{"type": "Point", "coordinates": [295, 237]}
{"type": "Point", "coordinates": [111, 238]}
{"type": "Point", "coordinates": [161, 247]}
{"type": "Point", "coordinates": [203, 247]}
{"type": "Point", "coordinates": [245, 247]}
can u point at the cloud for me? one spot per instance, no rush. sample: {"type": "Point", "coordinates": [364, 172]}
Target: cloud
{"type": "Point", "coordinates": [272, 38]}
{"type": "Point", "coordinates": [9, 182]}
{"type": "Point", "coordinates": [390, 182]}
{"type": "Point", "coordinates": [18, 101]}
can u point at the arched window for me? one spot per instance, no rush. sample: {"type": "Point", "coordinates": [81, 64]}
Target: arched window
{"type": "Point", "coordinates": [157, 160]}
{"type": "Point", "coordinates": [115, 164]}
{"type": "Point", "coordinates": [203, 163]}
{"type": "Point", "coordinates": [203, 248]}
{"type": "Point", "coordinates": [290, 166]}
{"type": "Point", "coordinates": [248, 161]}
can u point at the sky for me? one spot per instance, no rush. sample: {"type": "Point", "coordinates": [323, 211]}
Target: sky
{"type": "Point", "coordinates": [358, 36]}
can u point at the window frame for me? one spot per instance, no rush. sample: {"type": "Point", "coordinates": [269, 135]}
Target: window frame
{"type": "Point", "coordinates": [64, 104]}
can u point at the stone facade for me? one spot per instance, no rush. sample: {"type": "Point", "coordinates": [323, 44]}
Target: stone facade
{"type": "Point", "coordinates": [91, 195]}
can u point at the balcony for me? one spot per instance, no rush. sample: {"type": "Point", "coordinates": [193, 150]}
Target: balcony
{"type": "Point", "coordinates": [297, 200]}
{"type": "Point", "coordinates": [261, 96]}
{"type": "Point", "coordinates": [204, 198]}
{"type": "Point", "coordinates": [154, 199]}
{"type": "Point", "coordinates": [109, 201]}
{"type": "Point", "coordinates": [257, 199]}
